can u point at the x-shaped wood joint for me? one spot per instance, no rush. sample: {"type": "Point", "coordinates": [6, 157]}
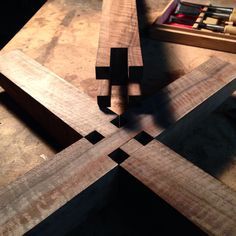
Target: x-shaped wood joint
{"type": "Point", "coordinates": [96, 147]}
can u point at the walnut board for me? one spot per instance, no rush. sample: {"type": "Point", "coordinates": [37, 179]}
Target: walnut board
{"type": "Point", "coordinates": [119, 56]}
{"type": "Point", "coordinates": [71, 166]}
{"type": "Point", "coordinates": [65, 28]}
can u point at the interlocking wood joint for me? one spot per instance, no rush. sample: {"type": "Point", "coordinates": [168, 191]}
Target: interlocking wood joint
{"type": "Point", "coordinates": [81, 179]}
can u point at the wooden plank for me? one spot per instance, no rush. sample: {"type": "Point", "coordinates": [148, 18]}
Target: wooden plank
{"type": "Point", "coordinates": [131, 146]}
{"type": "Point", "coordinates": [212, 77]}
{"type": "Point", "coordinates": [104, 93]}
{"type": "Point", "coordinates": [40, 192]}
{"type": "Point", "coordinates": [84, 158]}
{"type": "Point", "coordinates": [198, 196]}
{"type": "Point", "coordinates": [20, 74]}
{"type": "Point", "coordinates": [191, 97]}
{"type": "Point", "coordinates": [73, 170]}
{"type": "Point", "coordinates": [119, 25]}
{"type": "Point", "coordinates": [119, 31]}
{"type": "Point", "coordinates": [86, 205]}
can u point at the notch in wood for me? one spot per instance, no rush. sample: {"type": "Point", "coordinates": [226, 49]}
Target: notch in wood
{"type": "Point", "coordinates": [119, 66]}
{"type": "Point", "coordinates": [104, 93]}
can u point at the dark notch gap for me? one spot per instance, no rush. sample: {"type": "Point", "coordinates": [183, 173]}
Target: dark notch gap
{"type": "Point", "coordinates": [143, 138]}
{"type": "Point", "coordinates": [119, 66]}
{"type": "Point", "coordinates": [94, 137]}
{"type": "Point", "coordinates": [118, 156]}
{"type": "Point", "coordinates": [107, 111]}
{"type": "Point", "coordinates": [119, 121]}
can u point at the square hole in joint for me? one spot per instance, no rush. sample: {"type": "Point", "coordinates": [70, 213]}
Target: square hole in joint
{"type": "Point", "coordinates": [119, 121]}
{"type": "Point", "coordinates": [144, 138]}
{"type": "Point", "coordinates": [118, 156]}
{"type": "Point", "coordinates": [94, 137]}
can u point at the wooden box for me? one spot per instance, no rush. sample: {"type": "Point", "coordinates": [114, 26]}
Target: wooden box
{"type": "Point", "coordinates": [191, 36]}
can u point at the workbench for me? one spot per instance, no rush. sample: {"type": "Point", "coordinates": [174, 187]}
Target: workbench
{"type": "Point", "coordinates": [63, 36]}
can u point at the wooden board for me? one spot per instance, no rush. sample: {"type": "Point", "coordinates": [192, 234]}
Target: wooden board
{"type": "Point", "coordinates": [80, 158]}
{"type": "Point", "coordinates": [216, 81]}
{"type": "Point", "coordinates": [197, 195]}
{"type": "Point", "coordinates": [73, 23]}
{"type": "Point", "coordinates": [62, 109]}
{"type": "Point", "coordinates": [59, 27]}
{"type": "Point", "coordinates": [119, 57]}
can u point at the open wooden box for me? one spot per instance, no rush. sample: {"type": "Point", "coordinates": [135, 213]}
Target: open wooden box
{"type": "Point", "coordinates": [193, 37]}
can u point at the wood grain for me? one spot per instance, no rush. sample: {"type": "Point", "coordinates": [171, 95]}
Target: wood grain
{"type": "Point", "coordinates": [67, 172]}
{"type": "Point", "coordinates": [71, 107]}
{"type": "Point", "coordinates": [119, 30]}
{"type": "Point", "coordinates": [54, 30]}
{"type": "Point", "coordinates": [40, 192]}
{"type": "Point", "coordinates": [201, 198]}
{"type": "Point", "coordinates": [187, 100]}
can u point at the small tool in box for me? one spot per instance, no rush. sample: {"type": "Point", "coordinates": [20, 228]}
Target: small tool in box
{"type": "Point", "coordinates": [209, 26]}
{"type": "Point", "coordinates": [197, 16]}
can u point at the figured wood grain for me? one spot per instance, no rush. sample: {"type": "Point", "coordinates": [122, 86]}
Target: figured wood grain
{"type": "Point", "coordinates": [40, 192]}
{"type": "Point", "coordinates": [119, 25]}
{"type": "Point", "coordinates": [119, 30]}
{"type": "Point", "coordinates": [56, 95]}
{"type": "Point", "coordinates": [197, 195]}
{"type": "Point", "coordinates": [36, 39]}
{"type": "Point", "coordinates": [36, 195]}
{"type": "Point", "coordinates": [189, 99]}
{"type": "Point", "coordinates": [69, 169]}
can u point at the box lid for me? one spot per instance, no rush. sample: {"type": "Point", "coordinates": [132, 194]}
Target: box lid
{"type": "Point", "coordinates": [225, 3]}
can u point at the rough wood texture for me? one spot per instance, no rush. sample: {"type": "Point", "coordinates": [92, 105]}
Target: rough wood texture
{"type": "Point", "coordinates": [63, 26]}
{"type": "Point", "coordinates": [119, 30]}
{"type": "Point", "coordinates": [59, 27]}
{"type": "Point", "coordinates": [197, 195]}
{"type": "Point", "coordinates": [67, 172]}
{"type": "Point", "coordinates": [40, 192]}
{"type": "Point", "coordinates": [72, 110]}
{"type": "Point", "coordinates": [187, 99]}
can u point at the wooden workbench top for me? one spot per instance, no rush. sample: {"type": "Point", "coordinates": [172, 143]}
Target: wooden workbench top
{"type": "Point", "coordinates": [63, 36]}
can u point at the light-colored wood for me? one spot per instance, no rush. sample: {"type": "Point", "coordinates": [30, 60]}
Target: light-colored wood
{"type": "Point", "coordinates": [119, 26]}
{"type": "Point", "coordinates": [201, 198]}
{"type": "Point", "coordinates": [131, 146]}
{"type": "Point", "coordinates": [51, 37]}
